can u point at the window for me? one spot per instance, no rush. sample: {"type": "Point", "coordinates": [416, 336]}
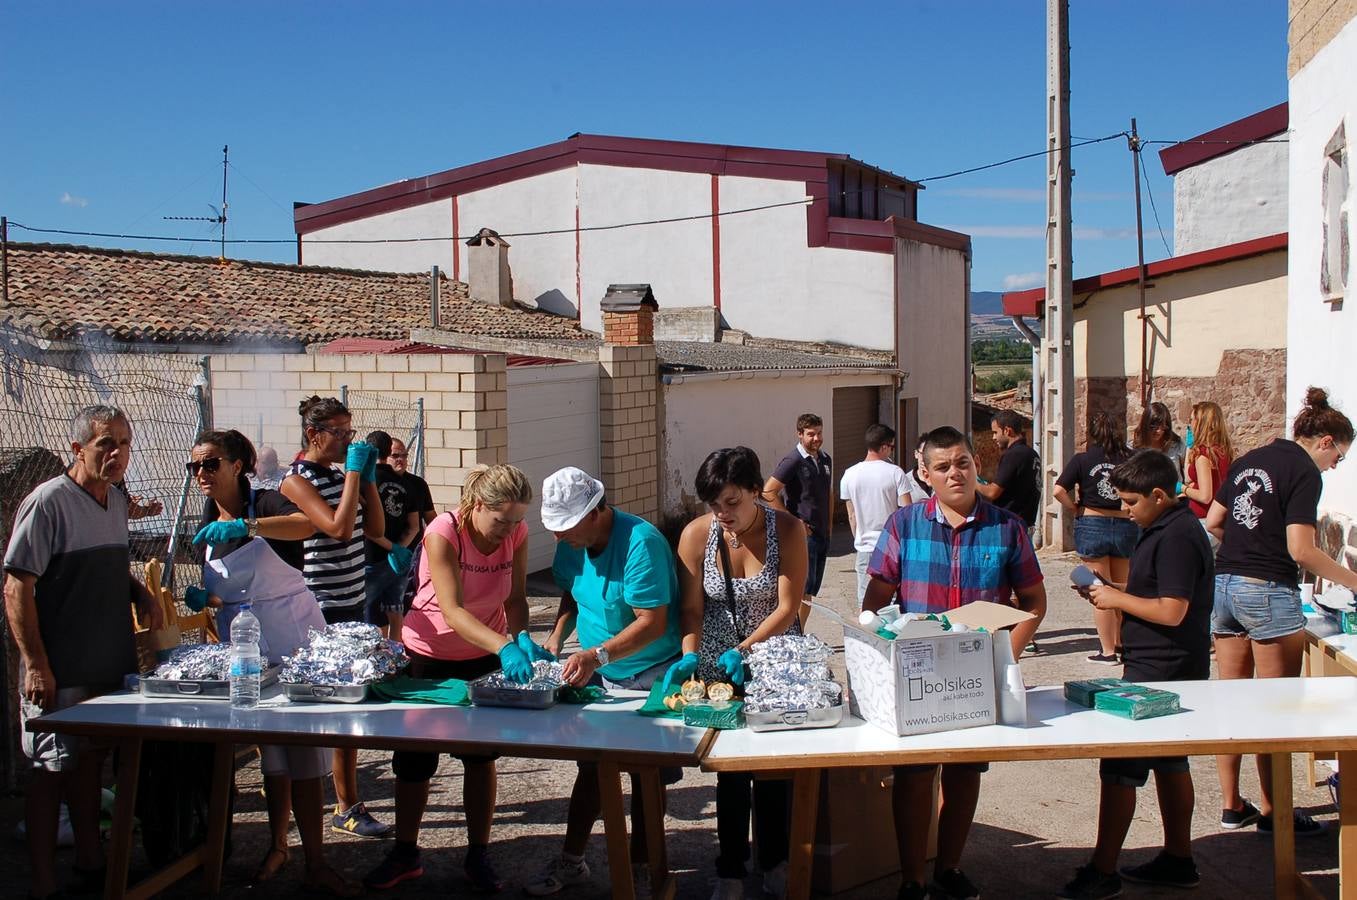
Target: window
{"type": "Point", "coordinates": [1333, 272]}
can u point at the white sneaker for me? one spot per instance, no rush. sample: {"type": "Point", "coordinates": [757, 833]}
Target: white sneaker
{"type": "Point", "coordinates": [728, 889]}
{"type": "Point", "coordinates": [640, 879]}
{"type": "Point", "coordinates": [775, 880]}
{"type": "Point", "coordinates": [560, 874]}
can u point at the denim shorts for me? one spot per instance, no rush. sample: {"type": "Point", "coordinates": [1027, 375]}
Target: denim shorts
{"type": "Point", "coordinates": [1098, 536]}
{"type": "Point", "coordinates": [1257, 609]}
{"type": "Point", "coordinates": [385, 593]}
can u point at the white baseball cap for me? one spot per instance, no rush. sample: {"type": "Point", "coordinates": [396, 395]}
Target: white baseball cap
{"type": "Point", "coordinates": [568, 495]}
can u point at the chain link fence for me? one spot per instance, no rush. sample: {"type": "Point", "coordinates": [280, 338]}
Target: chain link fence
{"type": "Point", "coordinates": [403, 420]}
{"type": "Point", "coordinates": [41, 389]}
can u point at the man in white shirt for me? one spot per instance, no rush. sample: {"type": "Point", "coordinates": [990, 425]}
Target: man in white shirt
{"type": "Point", "coordinates": [872, 491]}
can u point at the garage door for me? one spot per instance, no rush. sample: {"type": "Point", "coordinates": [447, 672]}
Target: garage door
{"type": "Point", "coordinates": [553, 422]}
{"type": "Point", "coordinates": [855, 408]}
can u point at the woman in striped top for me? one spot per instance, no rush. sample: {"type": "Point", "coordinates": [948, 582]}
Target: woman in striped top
{"type": "Point", "coordinates": [343, 506]}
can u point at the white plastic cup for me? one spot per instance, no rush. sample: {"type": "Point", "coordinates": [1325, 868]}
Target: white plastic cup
{"type": "Point", "coordinates": [1307, 594]}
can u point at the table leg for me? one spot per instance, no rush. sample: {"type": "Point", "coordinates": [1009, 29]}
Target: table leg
{"type": "Point", "coordinates": [662, 886]}
{"type": "Point", "coordinates": [219, 816]}
{"type": "Point", "coordinates": [615, 830]}
{"type": "Point", "coordinates": [1347, 827]}
{"type": "Point", "coordinates": [1283, 829]}
{"type": "Point", "coordinates": [124, 809]}
{"type": "Point", "coordinates": [801, 848]}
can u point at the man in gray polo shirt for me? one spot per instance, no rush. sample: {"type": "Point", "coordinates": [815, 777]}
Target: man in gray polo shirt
{"type": "Point", "coordinates": [67, 590]}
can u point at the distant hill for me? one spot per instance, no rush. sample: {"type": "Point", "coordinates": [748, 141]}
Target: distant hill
{"type": "Point", "coordinates": [987, 303]}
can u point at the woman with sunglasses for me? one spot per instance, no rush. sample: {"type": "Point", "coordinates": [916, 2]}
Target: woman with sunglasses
{"type": "Point", "coordinates": [1155, 432]}
{"type": "Point", "coordinates": [343, 507]}
{"type": "Point", "coordinates": [254, 553]}
{"type": "Point", "coordinates": [742, 569]}
{"type": "Point", "coordinates": [1265, 514]}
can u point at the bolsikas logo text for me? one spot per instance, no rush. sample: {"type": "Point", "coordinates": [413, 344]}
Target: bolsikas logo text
{"type": "Point", "coordinates": [919, 688]}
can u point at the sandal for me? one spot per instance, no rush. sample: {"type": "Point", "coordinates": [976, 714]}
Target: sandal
{"type": "Point", "coordinates": [266, 872]}
{"type": "Point", "coordinates": [326, 882]}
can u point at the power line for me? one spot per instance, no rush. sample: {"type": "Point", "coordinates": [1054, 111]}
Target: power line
{"type": "Point", "coordinates": [1237, 143]}
{"type": "Point", "coordinates": [1013, 159]}
{"type": "Point", "coordinates": [1145, 176]}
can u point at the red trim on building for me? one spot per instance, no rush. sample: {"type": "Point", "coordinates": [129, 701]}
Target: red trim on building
{"type": "Point", "coordinates": [456, 243]}
{"type": "Point", "coordinates": [879, 237]}
{"type": "Point", "coordinates": [299, 250]}
{"type": "Point", "coordinates": [1029, 303]}
{"type": "Point", "coordinates": [716, 242]}
{"type": "Point", "coordinates": [1257, 127]}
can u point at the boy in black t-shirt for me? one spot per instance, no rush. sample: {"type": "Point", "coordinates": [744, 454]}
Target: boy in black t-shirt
{"type": "Point", "coordinates": [389, 557]}
{"type": "Point", "coordinates": [1166, 612]}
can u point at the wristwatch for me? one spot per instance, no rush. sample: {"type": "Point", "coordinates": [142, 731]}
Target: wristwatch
{"type": "Point", "coordinates": [251, 527]}
{"type": "Point", "coordinates": [601, 653]}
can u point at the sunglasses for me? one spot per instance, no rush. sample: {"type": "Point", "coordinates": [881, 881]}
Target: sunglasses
{"type": "Point", "coordinates": [209, 465]}
{"type": "Point", "coordinates": [399, 455]}
{"type": "Point", "coordinates": [345, 435]}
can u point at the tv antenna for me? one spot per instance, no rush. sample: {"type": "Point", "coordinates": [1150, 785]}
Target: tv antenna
{"type": "Point", "coordinates": [218, 216]}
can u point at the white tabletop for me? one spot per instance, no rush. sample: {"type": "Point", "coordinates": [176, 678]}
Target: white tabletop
{"type": "Point", "coordinates": [1343, 646]}
{"type": "Point", "coordinates": [609, 729]}
{"type": "Point", "coordinates": [1249, 716]}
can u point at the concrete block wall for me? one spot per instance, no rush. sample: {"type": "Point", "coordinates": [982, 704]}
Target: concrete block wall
{"type": "Point", "coordinates": [466, 420]}
{"type": "Point", "coordinates": [627, 425]}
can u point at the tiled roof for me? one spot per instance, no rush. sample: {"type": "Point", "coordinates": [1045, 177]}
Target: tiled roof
{"type": "Point", "coordinates": [60, 291]}
{"type": "Point", "coordinates": [676, 357]}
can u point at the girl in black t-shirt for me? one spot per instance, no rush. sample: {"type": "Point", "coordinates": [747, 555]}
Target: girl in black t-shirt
{"type": "Point", "coordinates": [1104, 534]}
{"type": "Point", "coordinates": [1155, 432]}
{"type": "Point", "coordinates": [1265, 514]}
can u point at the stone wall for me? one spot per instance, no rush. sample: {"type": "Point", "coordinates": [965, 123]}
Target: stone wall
{"type": "Point", "coordinates": [466, 419]}
{"type": "Point", "coordinates": [1250, 386]}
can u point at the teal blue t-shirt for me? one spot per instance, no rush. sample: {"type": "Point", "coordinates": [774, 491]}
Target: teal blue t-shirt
{"type": "Point", "coordinates": [635, 570]}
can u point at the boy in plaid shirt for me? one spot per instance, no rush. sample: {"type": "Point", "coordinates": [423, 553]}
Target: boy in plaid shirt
{"type": "Point", "coordinates": [932, 557]}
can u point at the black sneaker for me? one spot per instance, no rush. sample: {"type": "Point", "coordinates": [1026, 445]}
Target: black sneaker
{"type": "Point", "coordinates": [397, 867]}
{"type": "Point", "coordinates": [1239, 818]}
{"type": "Point", "coordinates": [480, 873]}
{"type": "Point", "coordinates": [1090, 884]}
{"type": "Point", "coordinates": [1165, 871]}
{"type": "Point", "coordinates": [1304, 825]}
{"type": "Point", "coordinates": [912, 890]}
{"type": "Point", "coordinates": [1104, 659]}
{"type": "Point", "coordinates": [953, 885]}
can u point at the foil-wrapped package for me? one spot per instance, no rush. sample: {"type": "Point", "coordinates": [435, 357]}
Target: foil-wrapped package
{"type": "Point", "coordinates": [196, 662]}
{"type": "Point", "coordinates": [790, 672]}
{"type": "Point", "coordinates": [546, 675]}
{"type": "Point", "coordinates": [345, 653]}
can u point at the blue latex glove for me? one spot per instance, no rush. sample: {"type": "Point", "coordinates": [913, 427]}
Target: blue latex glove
{"type": "Point", "coordinates": [357, 458]}
{"type": "Point", "coordinates": [732, 664]}
{"type": "Point", "coordinates": [515, 663]}
{"type": "Point", "coordinates": [195, 598]}
{"type": "Point", "coordinates": [678, 673]}
{"type": "Point", "coordinates": [399, 557]}
{"type": "Point", "coordinates": [220, 532]}
{"type": "Point", "coordinates": [370, 470]}
{"type": "Point", "coordinates": [1188, 439]}
{"type": "Point", "coordinates": [534, 650]}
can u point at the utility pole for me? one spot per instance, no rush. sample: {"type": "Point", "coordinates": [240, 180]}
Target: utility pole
{"type": "Point", "coordinates": [1057, 352]}
{"type": "Point", "coordinates": [1146, 390]}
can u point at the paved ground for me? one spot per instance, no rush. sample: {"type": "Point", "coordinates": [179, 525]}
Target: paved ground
{"type": "Point", "coordinates": [1034, 825]}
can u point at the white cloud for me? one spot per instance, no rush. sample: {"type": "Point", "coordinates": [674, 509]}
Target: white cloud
{"type": "Point", "coordinates": [69, 199]}
{"type": "Point", "coordinates": [1023, 280]}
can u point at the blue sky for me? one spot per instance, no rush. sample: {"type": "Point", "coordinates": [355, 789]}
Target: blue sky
{"type": "Point", "coordinates": [113, 115]}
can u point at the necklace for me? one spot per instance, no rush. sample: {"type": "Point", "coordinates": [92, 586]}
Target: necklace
{"type": "Point", "coordinates": [735, 538]}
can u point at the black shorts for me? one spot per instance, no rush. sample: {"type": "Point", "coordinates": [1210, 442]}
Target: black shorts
{"type": "Point", "coordinates": [1134, 772]}
{"type": "Point", "coordinates": [336, 614]}
{"type": "Point", "coordinates": [412, 766]}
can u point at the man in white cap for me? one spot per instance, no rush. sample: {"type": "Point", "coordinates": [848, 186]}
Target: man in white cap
{"type": "Point", "coordinates": [619, 589]}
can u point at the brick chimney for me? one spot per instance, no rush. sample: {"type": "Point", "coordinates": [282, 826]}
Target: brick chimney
{"type": "Point", "coordinates": [629, 315]}
{"type": "Point", "coordinates": [488, 276]}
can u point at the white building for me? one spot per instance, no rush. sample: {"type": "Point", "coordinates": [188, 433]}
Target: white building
{"type": "Point", "coordinates": [1322, 315]}
{"type": "Point", "coordinates": [780, 244]}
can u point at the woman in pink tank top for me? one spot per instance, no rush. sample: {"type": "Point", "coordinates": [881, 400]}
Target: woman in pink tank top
{"type": "Point", "coordinates": [470, 603]}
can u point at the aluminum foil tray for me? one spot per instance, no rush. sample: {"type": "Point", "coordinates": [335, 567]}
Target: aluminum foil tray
{"type": "Point", "coordinates": [326, 693]}
{"type": "Point", "coordinates": [484, 694]}
{"type": "Point", "coordinates": [208, 689]}
{"type": "Point", "coordinates": [793, 719]}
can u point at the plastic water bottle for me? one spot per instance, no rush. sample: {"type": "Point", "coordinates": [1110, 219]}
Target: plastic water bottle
{"type": "Point", "coordinates": [246, 663]}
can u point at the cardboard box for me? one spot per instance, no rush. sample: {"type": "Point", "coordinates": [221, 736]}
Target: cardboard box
{"type": "Point", "coordinates": [934, 682]}
{"type": "Point", "coordinates": [855, 830]}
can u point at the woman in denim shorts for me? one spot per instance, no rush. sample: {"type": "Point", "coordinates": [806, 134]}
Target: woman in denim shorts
{"type": "Point", "coordinates": [1104, 534]}
{"type": "Point", "coordinates": [1265, 514]}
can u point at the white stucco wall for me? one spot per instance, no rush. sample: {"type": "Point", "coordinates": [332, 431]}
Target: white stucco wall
{"type": "Point", "coordinates": [1198, 315]}
{"type": "Point", "coordinates": [933, 332]}
{"type": "Point", "coordinates": [754, 409]}
{"type": "Point", "coordinates": [543, 266]}
{"type": "Point", "coordinates": [773, 285]}
{"type": "Point", "coordinates": [425, 220]}
{"type": "Point", "coordinates": [1321, 335]}
{"type": "Point", "coordinates": [674, 258]}
{"type": "Point", "coordinates": [1232, 198]}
